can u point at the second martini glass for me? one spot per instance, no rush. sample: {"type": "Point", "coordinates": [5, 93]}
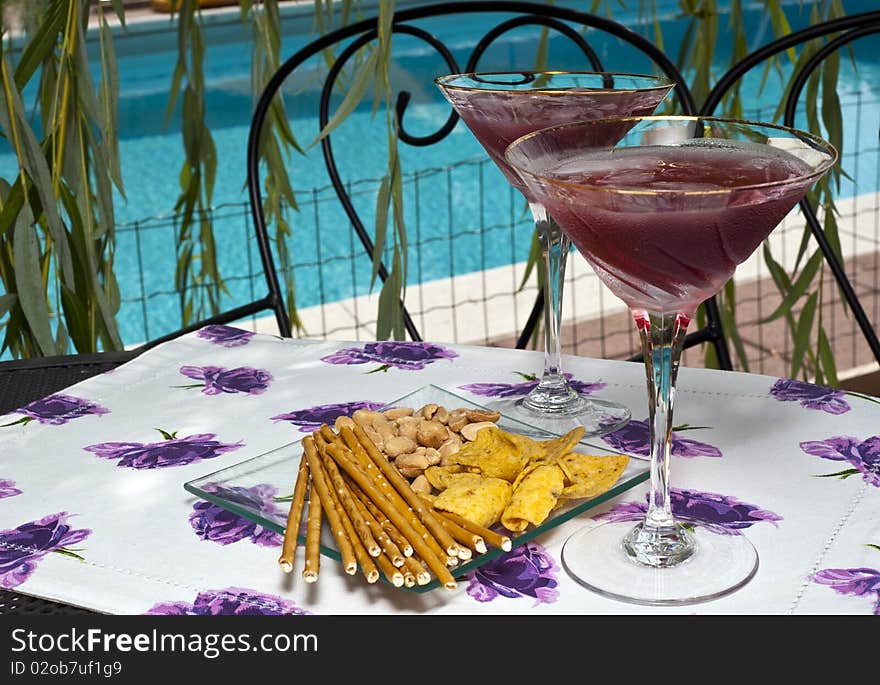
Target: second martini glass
{"type": "Point", "coordinates": [664, 209]}
{"type": "Point", "coordinates": [499, 107]}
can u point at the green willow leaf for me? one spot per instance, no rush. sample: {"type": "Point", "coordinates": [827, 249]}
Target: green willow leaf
{"type": "Point", "coordinates": [799, 287]}
{"type": "Point", "coordinates": [826, 359]}
{"type": "Point", "coordinates": [29, 284]}
{"type": "Point", "coordinates": [85, 88]}
{"type": "Point", "coordinates": [7, 302]}
{"type": "Point", "coordinates": [108, 97]}
{"type": "Point", "coordinates": [831, 110]}
{"type": "Point", "coordinates": [43, 43]}
{"type": "Point", "coordinates": [728, 324]}
{"type": "Point", "coordinates": [77, 316]}
{"type": "Point", "coordinates": [119, 8]}
{"type": "Point", "coordinates": [389, 305]}
{"type": "Point", "coordinates": [802, 334]}
{"type": "Point", "coordinates": [14, 123]}
{"type": "Point", "coordinates": [381, 230]}
{"type": "Point", "coordinates": [353, 97]}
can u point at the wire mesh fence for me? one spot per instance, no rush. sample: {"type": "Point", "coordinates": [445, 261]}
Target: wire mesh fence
{"type": "Point", "coordinates": [467, 266]}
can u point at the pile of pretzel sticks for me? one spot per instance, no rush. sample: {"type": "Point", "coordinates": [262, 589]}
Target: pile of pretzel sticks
{"type": "Point", "coordinates": [379, 523]}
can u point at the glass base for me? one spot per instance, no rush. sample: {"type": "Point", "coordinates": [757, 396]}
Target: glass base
{"type": "Point", "coordinates": [720, 564]}
{"type": "Point", "coordinates": [561, 411]}
{"type": "Point", "coordinates": [597, 417]}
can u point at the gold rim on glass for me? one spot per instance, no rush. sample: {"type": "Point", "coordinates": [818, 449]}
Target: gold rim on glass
{"type": "Point", "coordinates": [813, 140]}
{"type": "Point", "coordinates": [662, 82]}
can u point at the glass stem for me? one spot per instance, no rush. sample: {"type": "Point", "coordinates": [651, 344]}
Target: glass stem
{"type": "Point", "coordinates": [659, 540]}
{"type": "Point", "coordinates": [553, 393]}
{"type": "Point", "coordinates": [555, 246]}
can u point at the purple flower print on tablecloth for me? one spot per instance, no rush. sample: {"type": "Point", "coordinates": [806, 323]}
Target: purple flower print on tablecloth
{"type": "Point", "coordinates": [232, 601]}
{"type": "Point", "coordinates": [312, 418]}
{"type": "Point", "coordinates": [56, 410]}
{"type": "Point", "coordinates": [172, 451]}
{"type": "Point", "coordinates": [218, 380]}
{"type": "Point", "coordinates": [503, 390]}
{"type": "Point", "coordinates": [860, 582]}
{"type": "Point", "coordinates": [810, 396]}
{"type": "Point", "coordinates": [719, 513]}
{"type": "Point", "coordinates": [225, 336]}
{"type": "Point", "coordinates": [217, 524]}
{"type": "Point", "coordinates": [409, 356]}
{"type": "Point", "coordinates": [634, 438]}
{"type": "Point", "coordinates": [527, 571]}
{"type": "Point", "coordinates": [8, 489]}
{"type": "Point", "coordinates": [22, 548]}
{"type": "Point", "coordinates": [863, 455]}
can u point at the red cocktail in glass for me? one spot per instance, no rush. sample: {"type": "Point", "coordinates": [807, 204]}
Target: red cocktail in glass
{"type": "Point", "coordinates": [498, 108]}
{"type": "Point", "coordinates": [664, 214]}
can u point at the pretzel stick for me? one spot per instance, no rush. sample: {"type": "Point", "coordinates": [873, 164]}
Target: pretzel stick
{"type": "Point", "coordinates": [490, 536]}
{"type": "Point", "coordinates": [345, 501]}
{"type": "Point", "coordinates": [464, 536]}
{"type": "Point", "coordinates": [313, 539]}
{"type": "Point", "coordinates": [294, 517]}
{"type": "Point", "coordinates": [397, 518]}
{"type": "Point", "coordinates": [409, 579]}
{"type": "Point", "coordinates": [359, 455]}
{"type": "Point", "coordinates": [415, 567]}
{"type": "Point", "coordinates": [392, 574]}
{"type": "Point", "coordinates": [364, 560]}
{"type": "Point", "coordinates": [389, 549]}
{"type": "Point", "coordinates": [396, 536]}
{"type": "Point", "coordinates": [401, 484]}
{"type": "Point", "coordinates": [331, 437]}
{"type": "Point", "coordinates": [346, 549]}
{"type": "Point", "coordinates": [363, 459]}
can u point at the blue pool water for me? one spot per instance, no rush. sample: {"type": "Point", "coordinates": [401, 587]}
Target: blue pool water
{"type": "Point", "coordinates": [468, 198]}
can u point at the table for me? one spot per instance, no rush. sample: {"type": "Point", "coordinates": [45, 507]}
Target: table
{"type": "Point", "coordinates": [90, 517]}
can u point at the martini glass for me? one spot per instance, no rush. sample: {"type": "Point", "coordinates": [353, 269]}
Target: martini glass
{"type": "Point", "coordinates": [500, 107]}
{"type": "Point", "coordinates": [664, 215]}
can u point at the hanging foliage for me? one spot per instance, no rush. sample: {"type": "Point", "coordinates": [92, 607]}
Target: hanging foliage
{"type": "Point", "coordinates": [57, 241]}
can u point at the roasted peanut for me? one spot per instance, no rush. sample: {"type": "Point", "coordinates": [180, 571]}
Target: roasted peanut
{"type": "Point", "coordinates": [421, 485]}
{"type": "Point", "coordinates": [366, 417]}
{"type": "Point", "coordinates": [481, 415]}
{"type": "Point", "coordinates": [429, 410]}
{"type": "Point", "coordinates": [448, 448]}
{"type": "Point", "coordinates": [432, 434]}
{"type": "Point", "coordinates": [397, 413]}
{"type": "Point", "coordinates": [457, 420]}
{"type": "Point", "coordinates": [408, 426]}
{"type": "Point", "coordinates": [469, 432]}
{"type": "Point", "coordinates": [399, 444]}
{"type": "Point", "coordinates": [409, 473]}
{"type": "Point", "coordinates": [412, 461]}
{"type": "Point", "coordinates": [433, 456]}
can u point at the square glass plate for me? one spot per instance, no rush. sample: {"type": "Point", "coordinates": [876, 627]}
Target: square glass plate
{"type": "Point", "coordinates": [232, 488]}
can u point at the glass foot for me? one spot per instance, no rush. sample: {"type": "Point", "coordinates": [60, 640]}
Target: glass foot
{"type": "Point", "coordinates": [596, 557]}
{"type": "Point", "coordinates": [598, 417]}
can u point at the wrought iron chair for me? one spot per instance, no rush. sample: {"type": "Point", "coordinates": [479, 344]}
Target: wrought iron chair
{"type": "Point", "coordinates": [350, 39]}
{"type": "Point", "coordinates": [839, 33]}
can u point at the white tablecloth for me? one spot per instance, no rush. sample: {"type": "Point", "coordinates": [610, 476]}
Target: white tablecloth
{"type": "Point", "coordinates": [93, 511]}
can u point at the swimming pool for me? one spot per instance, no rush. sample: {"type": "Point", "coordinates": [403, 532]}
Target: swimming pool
{"type": "Point", "coordinates": [441, 192]}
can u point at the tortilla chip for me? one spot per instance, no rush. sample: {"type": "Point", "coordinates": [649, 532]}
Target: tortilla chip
{"type": "Point", "coordinates": [481, 502]}
{"type": "Point", "coordinates": [494, 454]}
{"type": "Point", "coordinates": [438, 476]}
{"type": "Point", "coordinates": [534, 497]}
{"type": "Point", "coordinates": [590, 475]}
{"type": "Point", "coordinates": [531, 449]}
{"type": "Point", "coordinates": [555, 448]}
